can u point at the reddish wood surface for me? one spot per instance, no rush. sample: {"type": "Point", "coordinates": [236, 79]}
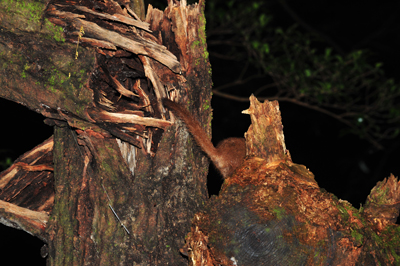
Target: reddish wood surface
{"type": "Point", "coordinates": [272, 212]}
{"type": "Point", "coordinates": [117, 152]}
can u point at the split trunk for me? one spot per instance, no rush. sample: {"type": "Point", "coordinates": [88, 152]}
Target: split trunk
{"type": "Point", "coordinates": [121, 182]}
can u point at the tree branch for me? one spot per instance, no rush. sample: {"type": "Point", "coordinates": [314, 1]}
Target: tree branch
{"type": "Point", "coordinates": [308, 27]}
{"type": "Point", "coordinates": [368, 137]}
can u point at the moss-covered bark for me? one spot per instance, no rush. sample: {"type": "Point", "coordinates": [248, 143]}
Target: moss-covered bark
{"type": "Point", "coordinates": [272, 212]}
{"type": "Point", "coordinates": [109, 92]}
{"type": "Point", "coordinates": [38, 68]}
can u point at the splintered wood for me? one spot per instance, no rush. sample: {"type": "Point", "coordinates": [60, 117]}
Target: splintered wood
{"type": "Point", "coordinates": [98, 72]}
{"type": "Point", "coordinates": [271, 211]}
{"type": "Point", "coordinates": [27, 190]}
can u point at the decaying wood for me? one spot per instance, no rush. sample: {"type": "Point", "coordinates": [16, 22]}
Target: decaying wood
{"type": "Point", "coordinates": [32, 222]}
{"type": "Point", "coordinates": [27, 190]}
{"type": "Point", "coordinates": [266, 127]}
{"type": "Point", "coordinates": [100, 84]}
{"type": "Point", "coordinates": [129, 119]}
{"type": "Point", "coordinates": [137, 45]}
{"type": "Point", "coordinates": [46, 80]}
{"type": "Point", "coordinates": [383, 204]}
{"type": "Point", "coordinates": [116, 17]}
{"type": "Point", "coordinates": [272, 212]}
{"type": "Point", "coordinates": [122, 185]}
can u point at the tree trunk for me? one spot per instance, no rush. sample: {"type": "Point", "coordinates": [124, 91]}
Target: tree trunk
{"type": "Point", "coordinates": [121, 182]}
{"type": "Point", "coordinates": [126, 186]}
{"type": "Point", "coordinates": [271, 211]}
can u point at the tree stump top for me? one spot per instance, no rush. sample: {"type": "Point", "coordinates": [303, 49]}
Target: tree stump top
{"type": "Point", "coordinates": [271, 211]}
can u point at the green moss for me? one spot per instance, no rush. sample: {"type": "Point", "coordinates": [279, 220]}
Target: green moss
{"type": "Point", "coordinates": [57, 32]}
{"type": "Point", "coordinates": [279, 212]}
{"type": "Point", "coordinates": [202, 29]}
{"type": "Point", "coordinates": [390, 239]}
{"type": "Point", "coordinates": [380, 196]}
{"type": "Point", "coordinates": [358, 237]}
{"type": "Point", "coordinates": [343, 212]}
{"type": "Point", "coordinates": [26, 15]}
{"type": "Point", "coordinates": [202, 42]}
{"type": "Point", "coordinates": [61, 75]}
{"type": "Point", "coordinates": [106, 167]}
{"type": "Point", "coordinates": [195, 44]}
{"type": "Point", "coordinates": [206, 106]}
{"type": "Point", "coordinates": [395, 255]}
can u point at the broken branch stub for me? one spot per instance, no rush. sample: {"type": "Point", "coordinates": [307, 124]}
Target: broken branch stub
{"type": "Point", "coordinates": [265, 137]}
{"type": "Point", "coordinates": [272, 212]}
{"type": "Point", "coordinates": [27, 190]}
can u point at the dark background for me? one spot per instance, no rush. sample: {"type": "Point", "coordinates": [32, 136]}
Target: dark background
{"type": "Point", "coordinates": [344, 165]}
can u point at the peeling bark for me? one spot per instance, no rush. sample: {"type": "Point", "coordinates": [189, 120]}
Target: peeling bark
{"type": "Point", "coordinates": [272, 212]}
{"type": "Point", "coordinates": [121, 182]}
{"type": "Point", "coordinates": [27, 191]}
{"type": "Point", "coordinates": [126, 183]}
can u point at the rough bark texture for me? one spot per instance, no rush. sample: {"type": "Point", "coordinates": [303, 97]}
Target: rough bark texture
{"type": "Point", "coordinates": [272, 212]}
{"type": "Point", "coordinates": [126, 184]}
{"type": "Point", "coordinates": [118, 185]}
{"type": "Point", "coordinates": [27, 190]}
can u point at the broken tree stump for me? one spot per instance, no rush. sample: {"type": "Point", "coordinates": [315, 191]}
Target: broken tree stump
{"type": "Point", "coordinates": [126, 185]}
{"type": "Point", "coordinates": [272, 212]}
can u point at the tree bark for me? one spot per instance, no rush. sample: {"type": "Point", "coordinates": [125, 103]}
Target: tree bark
{"type": "Point", "coordinates": [271, 211]}
{"type": "Point", "coordinates": [126, 185]}
{"type": "Point", "coordinates": [121, 182]}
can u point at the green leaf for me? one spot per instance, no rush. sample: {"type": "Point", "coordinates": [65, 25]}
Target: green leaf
{"type": "Point", "coordinates": [265, 48]}
{"type": "Point", "coordinates": [264, 19]}
{"type": "Point", "coordinates": [328, 52]}
{"type": "Point", "coordinates": [256, 5]}
{"type": "Point", "coordinates": [339, 58]}
{"type": "Point", "coordinates": [255, 44]}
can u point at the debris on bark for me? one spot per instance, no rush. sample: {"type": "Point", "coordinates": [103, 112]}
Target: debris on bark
{"type": "Point", "coordinates": [120, 184]}
{"type": "Point", "coordinates": [27, 190]}
{"type": "Point", "coordinates": [271, 211]}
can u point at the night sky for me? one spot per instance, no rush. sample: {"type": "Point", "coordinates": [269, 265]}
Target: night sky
{"type": "Point", "coordinates": [344, 165]}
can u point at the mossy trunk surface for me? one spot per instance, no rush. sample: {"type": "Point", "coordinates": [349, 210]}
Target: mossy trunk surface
{"type": "Point", "coordinates": [271, 211]}
{"type": "Point", "coordinates": [121, 181]}
{"type": "Point", "coordinates": [126, 184]}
